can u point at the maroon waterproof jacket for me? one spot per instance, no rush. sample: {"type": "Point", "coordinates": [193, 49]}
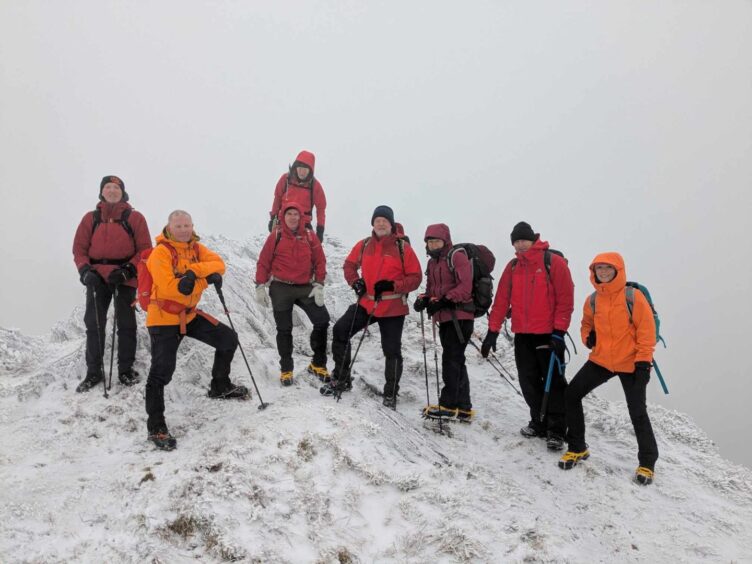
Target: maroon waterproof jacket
{"type": "Point", "coordinates": [441, 282]}
{"type": "Point", "coordinates": [110, 242]}
{"type": "Point", "coordinates": [301, 192]}
{"type": "Point", "coordinates": [298, 257]}
{"type": "Point", "coordinates": [381, 261]}
{"type": "Point", "coordinates": [539, 304]}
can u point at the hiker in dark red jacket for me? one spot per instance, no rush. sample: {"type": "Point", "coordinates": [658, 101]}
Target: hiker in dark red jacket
{"type": "Point", "coordinates": [106, 248]}
{"type": "Point", "coordinates": [293, 266]}
{"type": "Point", "coordinates": [300, 186]}
{"type": "Point", "coordinates": [542, 300]}
{"type": "Point", "coordinates": [449, 302]}
{"type": "Point", "coordinates": [389, 270]}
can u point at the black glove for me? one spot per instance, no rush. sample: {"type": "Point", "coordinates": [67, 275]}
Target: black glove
{"type": "Point", "coordinates": [557, 344]}
{"type": "Point", "coordinates": [435, 306]}
{"type": "Point", "coordinates": [187, 283]}
{"type": "Point", "coordinates": [359, 286]}
{"type": "Point", "coordinates": [90, 277]}
{"type": "Point", "coordinates": [383, 286]}
{"type": "Point", "coordinates": [320, 232]}
{"type": "Point", "coordinates": [489, 343]}
{"type": "Point", "coordinates": [642, 371]}
{"type": "Point", "coordinates": [122, 274]}
{"type": "Point", "coordinates": [216, 279]}
{"type": "Point", "coordinates": [271, 225]}
{"type": "Point", "coordinates": [590, 341]}
{"type": "Point", "coordinates": [421, 303]}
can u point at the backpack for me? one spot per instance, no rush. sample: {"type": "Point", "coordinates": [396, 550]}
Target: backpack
{"type": "Point", "coordinates": [482, 262]}
{"type": "Point", "coordinates": [122, 221]}
{"type": "Point", "coordinates": [145, 281]}
{"type": "Point", "coordinates": [546, 260]}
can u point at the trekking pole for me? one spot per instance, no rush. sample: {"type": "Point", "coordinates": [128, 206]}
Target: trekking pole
{"type": "Point", "coordinates": [547, 389]}
{"type": "Point", "coordinates": [114, 324]}
{"type": "Point", "coordinates": [436, 363]}
{"type": "Point", "coordinates": [425, 361]}
{"type": "Point", "coordinates": [248, 366]}
{"type": "Point", "coordinates": [348, 372]}
{"type": "Point", "coordinates": [99, 341]}
{"type": "Point", "coordinates": [508, 381]}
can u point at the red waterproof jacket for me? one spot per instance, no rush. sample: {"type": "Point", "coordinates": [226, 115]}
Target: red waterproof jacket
{"type": "Point", "coordinates": [296, 258]}
{"type": "Point", "coordinates": [110, 241]}
{"type": "Point", "coordinates": [540, 303]}
{"type": "Point", "coordinates": [289, 189]}
{"type": "Point", "coordinates": [381, 261]}
{"type": "Point", "coordinates": [441, 282]}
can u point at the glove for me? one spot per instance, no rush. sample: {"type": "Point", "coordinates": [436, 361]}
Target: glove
{"type": "Point", "coordinates": [271, 224]}
{"type": "Point", "coordinates": [590, 341]}
{"type": "Point", "coordinates": [262, 298]}
{"type": "Point", "coordinates": [642, 371]}
{"type": "Point", "coordinates": [90, 277]}
{"type": "Point", "coordinates": [421, 303]}
{"type": "Point", "coordinates": [359, 286]}
{"type": "Point", "coordinates": [383, 286]}
{"type": "Point", "coordinates": [557, 344]}
{"type": "Point", "coordinates": [435, 306]}
{"type": "Point", "coordinates": [320, 232]}
{"type": "Point", "coordinates": [122, 274]}
{"type": "Point", "coordinates": [317, 293]}
{"type": "Point", "coordinates": [489, 343]}
{"type": "Point", "coordinates": [187, 283]}
{"type": "Point", "coordinates": [216, 279]}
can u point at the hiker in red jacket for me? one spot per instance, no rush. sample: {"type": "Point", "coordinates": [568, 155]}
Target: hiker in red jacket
{"type": "Point", "coordinates": [299, 185]}
{"type": "Point", "coordinates": [293, 266]}
{"type": "Point", "coordinates": [449, 302]}
{"type": "Point", "coordinates": [389, 270]}
{"type": "Point", "coordinates": [538, 286]}
{"type": "Point", "coordinates": [106, 248]}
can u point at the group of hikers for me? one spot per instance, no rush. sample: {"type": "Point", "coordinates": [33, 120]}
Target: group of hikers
{"type": "Point", "coordinates": [115, 259]}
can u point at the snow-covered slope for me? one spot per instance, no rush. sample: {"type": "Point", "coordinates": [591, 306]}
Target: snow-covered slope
{"type": "Point", "coordinates": [312, 480]}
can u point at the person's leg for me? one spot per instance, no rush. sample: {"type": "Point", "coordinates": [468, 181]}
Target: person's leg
{"type": "Point", "coordinates": [95, 341]}
{"type": "Point", "coordinates": [352, 321]}
{"type": "Point", "coordinates": [319, 317]}
{"type": "Point", "coordinates": [589, 377]}
{"type": "Point", "coordinates": [528, 371]}
{"type": "Point", "coordinates": [225, 342]}
{"type": "Point", "coordinates": [635, 391]}
{"type": "Point", "coordinates": [451, 365]}
{"type": "Point", "coordinates": [463, 388]}
{"type": "Point", "coordinates": [126, 328]}
{"type": "Point", "coordinates": [164, 347]}
{"type": "Point", "coordinates": [391, 345]}
{"type": "Point", "coordinates": [283, 299]}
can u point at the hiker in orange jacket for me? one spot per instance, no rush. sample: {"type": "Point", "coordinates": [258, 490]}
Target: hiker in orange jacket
{"type": "Point", "coordinates": [106, 248]}
{"type": "Point", "coordinates": [181, 269]}
{"type": "Point", "coordinates": [622, 344]}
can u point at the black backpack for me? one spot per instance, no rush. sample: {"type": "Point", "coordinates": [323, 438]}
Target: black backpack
{"type": "Point", "coordinates": [122, 221]}
{"type": "Point", "coordinates": [482, 262]}
{"type": "Point", "coordinates": [546, 260]}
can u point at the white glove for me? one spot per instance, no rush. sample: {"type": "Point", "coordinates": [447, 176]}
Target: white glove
{"type": "Point", "coordinates": [317, 294]}
{"type": "Point", "coordinates": [262, 298]}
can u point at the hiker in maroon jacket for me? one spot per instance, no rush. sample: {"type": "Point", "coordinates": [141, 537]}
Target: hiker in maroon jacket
{"type": "Point", "coordinates": [106, 248]}
{"type": "Point", "coordinates": [449, 302]}
{"type": "Point", "coordinates": [299, 185]}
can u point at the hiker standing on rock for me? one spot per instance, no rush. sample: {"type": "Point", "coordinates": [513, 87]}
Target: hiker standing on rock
{"type": "Point", "coordinates": [106, 247]}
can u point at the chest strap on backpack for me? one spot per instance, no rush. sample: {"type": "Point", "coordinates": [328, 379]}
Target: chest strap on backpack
{"type": "Point", "coordinates": [117, 261]}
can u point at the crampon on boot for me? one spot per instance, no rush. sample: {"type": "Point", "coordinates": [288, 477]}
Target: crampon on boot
{"type": "Point", "coordinates": [230, 391]}
{"type": "Point", "coordinates": [529, 431]}
{"type": "Point", "coordinates": [644, 476]}
{"type": "Point", "coordinates": [285, 378]}
{"type": "Point", "coordinates": [554, 441]}
{"type": "Point", "coordinates": [465, 415]}
{"type": "Point", "coordinates": [91, 380]}
{"type": "Point", "coordinates": [320, 372]}
{"type": "Point", "coordinates": [162, 439]}
{"type": "Point", "coordinates": [571, 459]}
{"type": "Point", "coordinates": [439, 411]}
{"type": "Point", "coordinates": [390, 402]}
{"type": "Point", "coordinates": [333, 386]}
{"type": "Point", "coordinates": [129, 377]}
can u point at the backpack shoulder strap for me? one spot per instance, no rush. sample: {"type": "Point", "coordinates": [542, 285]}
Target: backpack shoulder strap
{"type": "Point", "coordinates": [450, 257]}
{"type": "Point", "coordinates": [364, 242]}
{"type": "Point", "coordinates": [277, 237]}
{"type": "Point", "coordinates": [592, 302]}
{"type": "Point", "coordinates": [547, 262]}
{"type": "Point", "coordinates": [629, 291]}
{"type": "Point", "coordinates": [97, 219]}
{"type": "Point", "coordinates": [126, 225]}
{"type": "Point", "coordinates": [173, 254]}
{"type": "Point", "coordinates": [401, 249]}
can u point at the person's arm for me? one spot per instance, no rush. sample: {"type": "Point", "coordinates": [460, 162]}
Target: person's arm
{"type": "Point", "coordinates": [82, 241]}
{"type": "Point", "coordinates": [642, 317]}
{"type": "Point", "coordinates": [588, 322]}
{"type": "Point", "coordinates": [141, 235]}
{"type": "Point", "coordinates": [264, 262]}
{"type": "Point", "coordinates": [352, 265]}
{"type": "Point", "coordinates": [561, 280]}
{"type": "Point", "coordinates": [412, 276]}
{"type": "Point", "coordinates": [318, 258]}
{"type": "Point", "coordinates": [319, 200]}
{"type": "Point", "coordinates": [501, 301]}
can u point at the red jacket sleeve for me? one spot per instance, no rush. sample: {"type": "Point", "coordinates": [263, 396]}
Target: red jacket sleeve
{"type": "Point", "coordinates": [319, 200]}
{"type": "Point", "coordinates": [352, 264]}
{"type": "Point", "coordinates": [82, 240]}
{"type": "Point", "coordinates": [140, 235]}
{"type": "Point", "coordinates": [413, 275]}
{"type": "Point", "coordinates": [278, 190]}
{"type": "Point", "coordinates": [318, 257]}
{"type": "Point", "coordinates": [264, 262]}
{"type": "Point", "coordinates": [500, 306]}
{"type": "Point", "coordinates": [561, 280]}
{"type": "Point", "coordinates": [462, 292]}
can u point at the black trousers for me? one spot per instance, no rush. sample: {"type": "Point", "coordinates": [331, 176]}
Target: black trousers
{"type": "Point", "coordinates": [125, 316]}
{"type": "Point", "coordinates": [591, 376]}
{"type": "Point", "coordinates": [532, 369]}
{"type": "Point", "coordinates": [456, 390]}
{"type": "Point", "coordinates": [165, 340]}
{"type": "Point", "coordinates": [391, 344]}
{"type": "Point", "coordinates": [284, 297]}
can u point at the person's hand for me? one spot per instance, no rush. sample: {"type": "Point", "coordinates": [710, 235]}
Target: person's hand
{"type": "Point", "coordinates": [590, 341]}
{"type": "Point", "coordinates": [642, 371]}
{"type": "Point", "coordinates": [187, 283]}
{"type": "Point", "coordinates": [421, 303]}
{"type": "Point", "coordinates": [557, 344]}
{"type": "Point", "coordinates": [216, 279]}
{"type": "Point", "coordinates": [126, 272]}
{"type": "Point", "coordinates": [317, 293]}
{"type": "Point", "coordinates": [262, 298]}
{"type": "Point", "coordinates": [383, 286]}
{"type": "Point", "coordinates": [435, 306]}
{"type": "Point", "coordinates": [489, 343]}
{"type": "Point", "coordinates": [320, 232]}
{"type": "Point", "coordinates": [359, 287]}
{"type": "Point", "coordinates": [90, 277]}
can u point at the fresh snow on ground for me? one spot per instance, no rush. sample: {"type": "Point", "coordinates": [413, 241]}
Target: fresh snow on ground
{"type": "Point", "coordinates": [312, 480]}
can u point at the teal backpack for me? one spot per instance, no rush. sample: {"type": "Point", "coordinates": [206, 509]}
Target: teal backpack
{"type": "Point", "coordinates": [630, 290]}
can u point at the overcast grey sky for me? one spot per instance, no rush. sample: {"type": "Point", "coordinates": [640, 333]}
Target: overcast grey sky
{"type": "Point", "coordinates": [620, 126]}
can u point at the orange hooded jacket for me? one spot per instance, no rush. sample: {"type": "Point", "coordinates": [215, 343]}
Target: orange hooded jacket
{"type": "Point", "coordinates": [619, 342]}
{"type": "Point", "coordinates": [165, 284]}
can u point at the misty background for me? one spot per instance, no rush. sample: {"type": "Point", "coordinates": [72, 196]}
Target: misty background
{"type": "Point", "coordinates": [622, 126]}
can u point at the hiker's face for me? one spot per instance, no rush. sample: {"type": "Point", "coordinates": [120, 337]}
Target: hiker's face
{"type": "Point", "coordinates": [112, 193]}
{"type": "Point", "coordinates": [434, 244]}
{"type": "Point", "coordinates": [522, 245]}
{"type": "Point", "coordinates": [604, 272]}
{"type": "Point", "coordinates": [292, 218]}
{"type": "Point", "coordinates": [382, 227]}
{"type": "Point", "coordinates": [181, 228]}
{"type": "Point", "coordinates": [302, 172]}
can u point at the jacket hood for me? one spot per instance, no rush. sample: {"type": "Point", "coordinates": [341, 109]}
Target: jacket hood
{"type": "Point", "coordinates": [537, 247]}
{"type": "Point", "coordinates": [619, 281]}
{"type": "Point", "coordinates": [439, 231]}
{"type": "Point", "coordinates": [286, 206]}
{"type": "Point", "coordinates": [166, 237]}
{"type": "Point", "coordinates": [305, 158]}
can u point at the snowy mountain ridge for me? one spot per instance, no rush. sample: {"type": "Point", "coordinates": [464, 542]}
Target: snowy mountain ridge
{"type": "Point", "coordinates": [312, 480]}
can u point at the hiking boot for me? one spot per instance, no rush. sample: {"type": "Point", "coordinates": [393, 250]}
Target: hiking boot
{"type": "Point", "coordinates": [390, 402]}
{"type": "Point", "coordinates": [529, 432]}
{"type": "Point", "coordinates": [436, 411]}
{"type": "Point", "coordinates": [554, 441]}
{"type": "Point", "coordinates": [89, 382]}
{"type": "Point", "coordinates": [129, 377]}
{"type": "Point", "coordinates": [571, 458]}
{"type": "Point", "coordinates": [231, 391]}
{"type": "Point", "coordinates": [162, 439]}
{"type": "Point", "coordinates": [285, 378]}
{"type": "Point", "coordinates": [465, 415]}
{"type": "Point", "coordinates": [320, 372]}
{"type": "Point", "coordinates": [644, 476]}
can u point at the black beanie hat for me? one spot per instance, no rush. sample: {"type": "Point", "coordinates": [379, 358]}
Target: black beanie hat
{"type": "Point", "coordinates": [385, 212]}
{"type": "Point", "coordinates": [523, 231]}
{"type": "Point", "coordinates": [115, 179]}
